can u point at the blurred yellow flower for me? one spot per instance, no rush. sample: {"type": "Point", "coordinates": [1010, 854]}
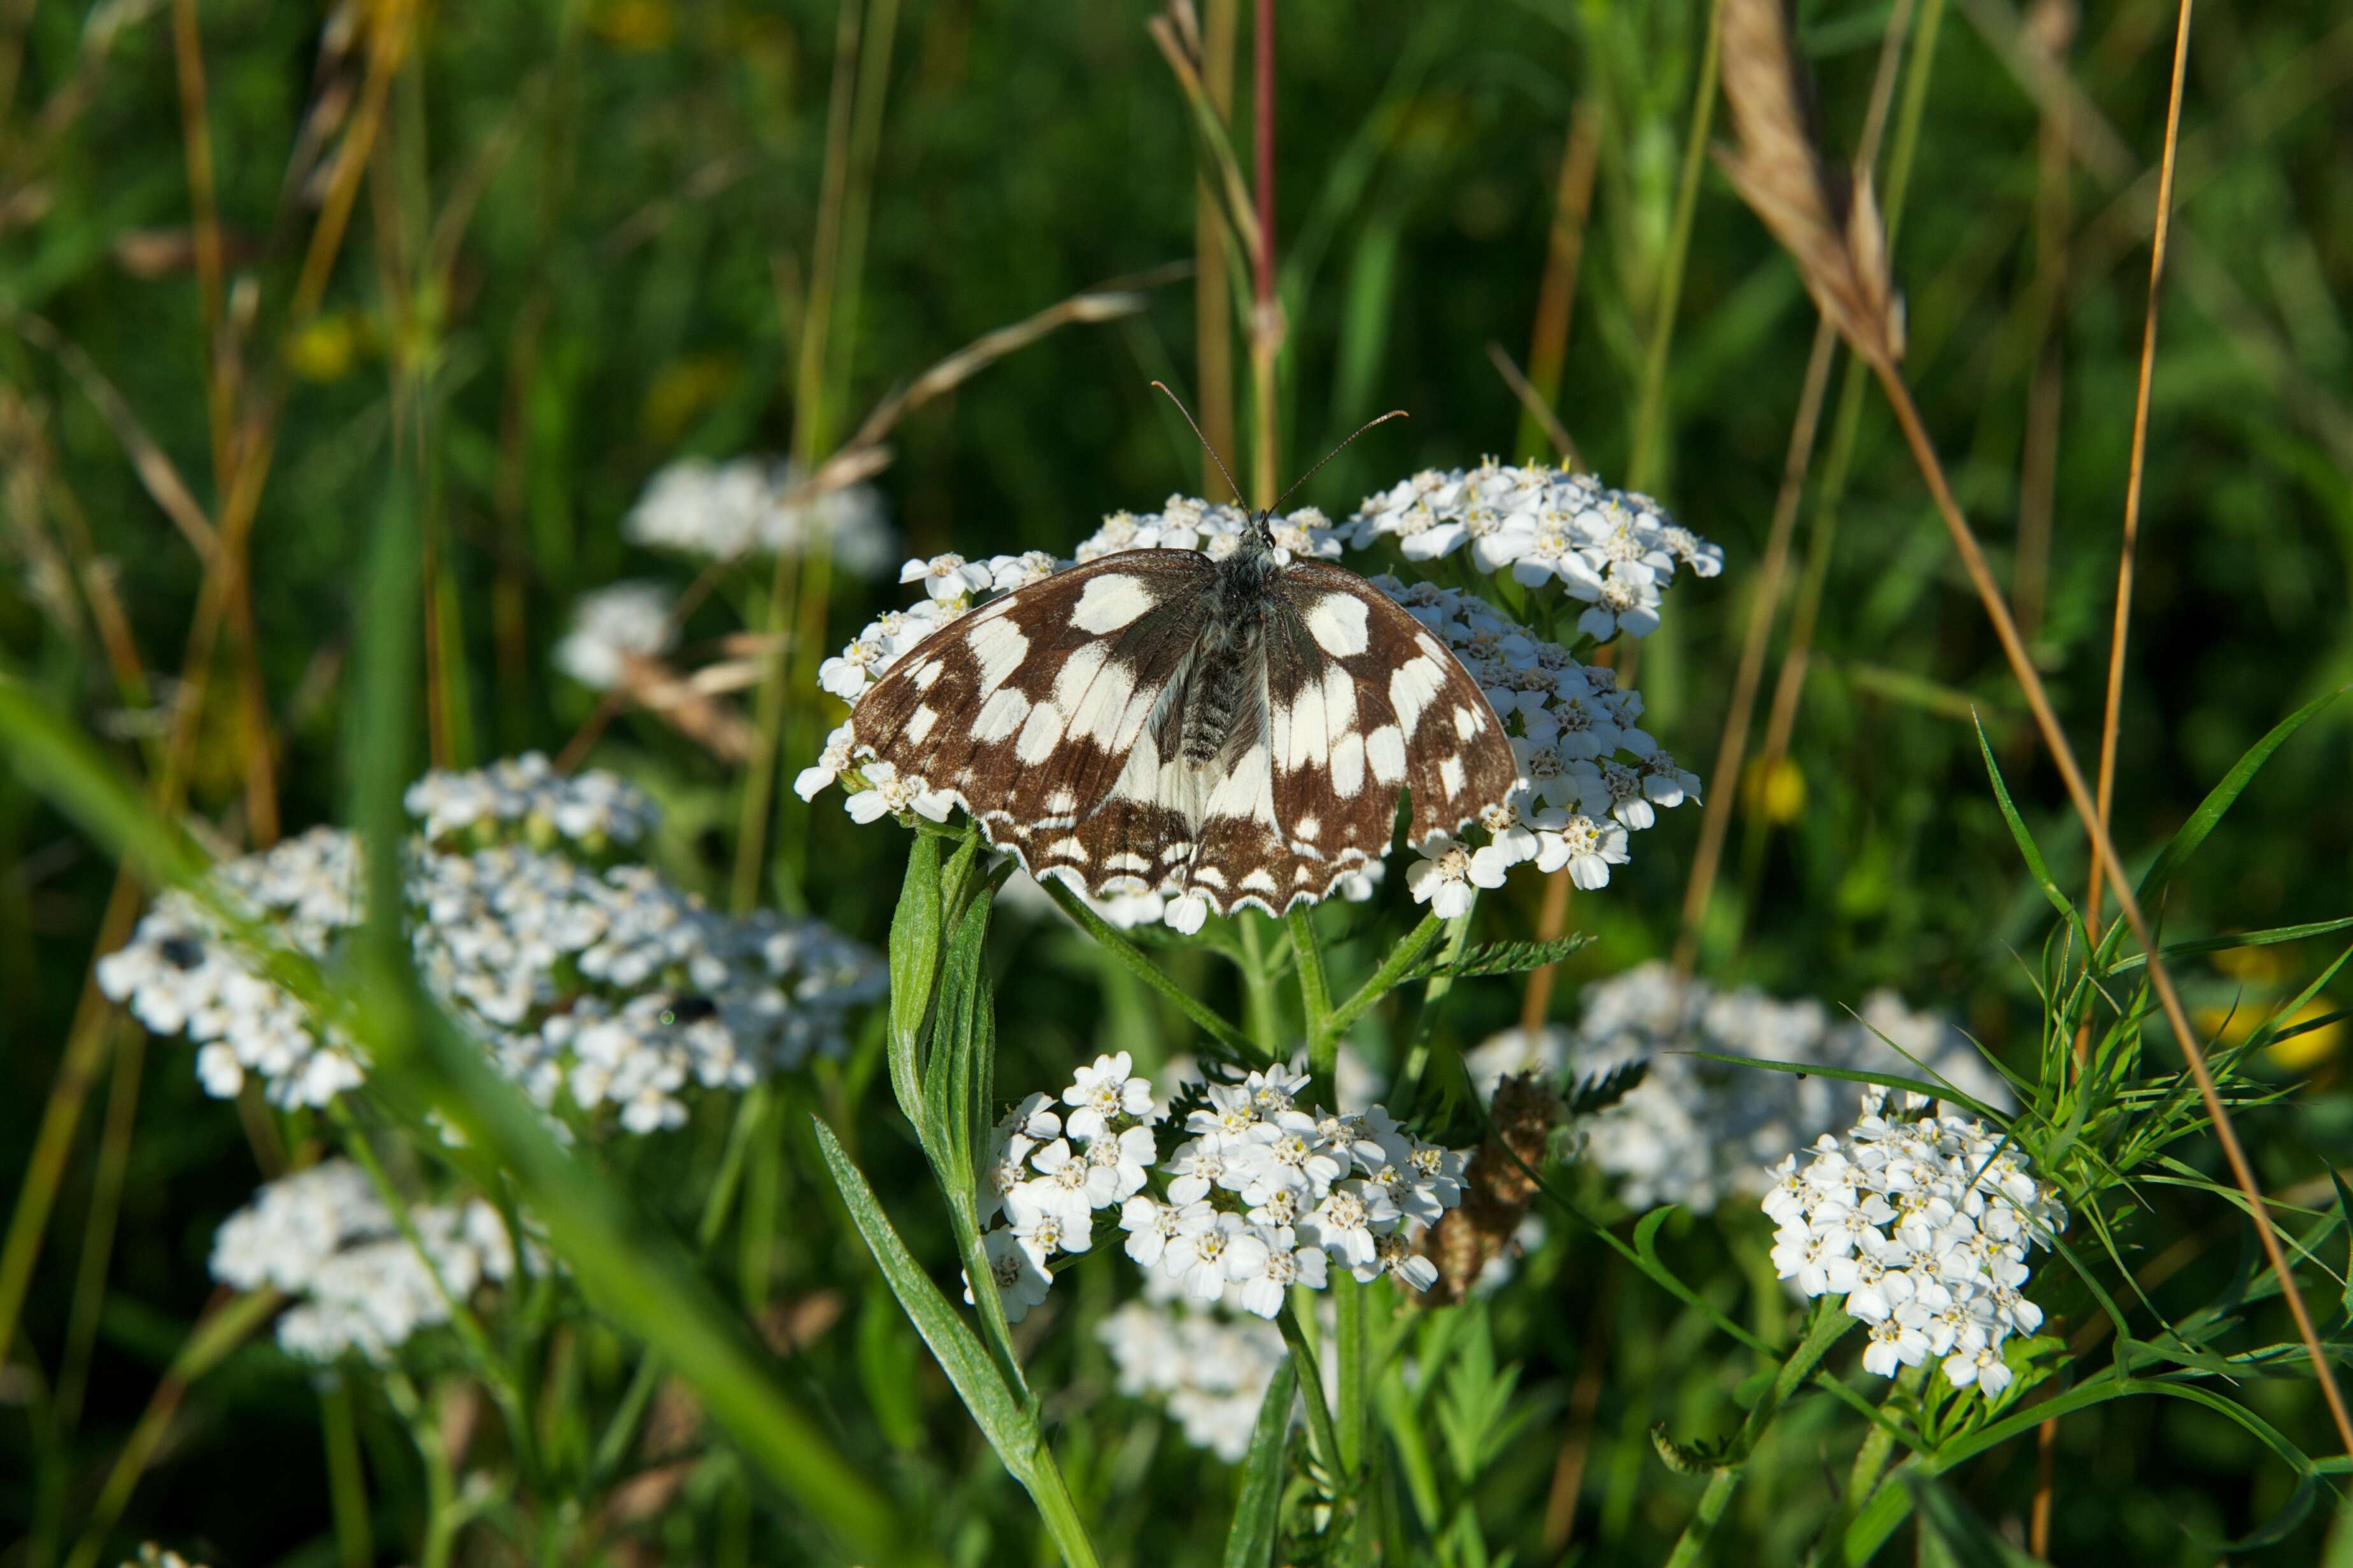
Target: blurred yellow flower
{"type": "Point", "coordinates": [2298, 1052]}
{"type": "Point", "coordinates": [681, 391]}
{"type": "Point", "coordinates": [1778, 796]}
{"type": "Point", "coordinates": [326, 348]}
{"type": "Point", "coordinates": [634, 27]}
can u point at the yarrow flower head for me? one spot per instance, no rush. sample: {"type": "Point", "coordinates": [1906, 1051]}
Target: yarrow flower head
{"type": "Point", "coordinates": [1924, 1225]}
{"type": "Point", "coordinates": [606, 990]}
{"type": "Point", "coordinates": [1612, 549]}
{"type": "Point", "coordinates": [758, 505]}
{"type": "Point", "coordinates": [1692, 1131]}
{"type": "Point", "coordinates": [324, 1236]}
{"type": "Point", "coordinates": [612, 626]}
{"type": "Point", "coordinates": [1259, 1193]}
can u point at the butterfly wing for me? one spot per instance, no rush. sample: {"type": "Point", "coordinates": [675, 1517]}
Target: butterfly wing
{"type": "Point", "coordinates": [1030, 710]}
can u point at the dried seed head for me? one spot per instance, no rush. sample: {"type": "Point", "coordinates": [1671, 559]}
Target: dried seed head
{"type": "Point", "coordinates": [1496, 1189]}
{"type": "Point", "coordinates": [1824, 217]}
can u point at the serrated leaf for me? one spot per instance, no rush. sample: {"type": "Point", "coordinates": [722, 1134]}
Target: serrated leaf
{"type": "Point", "coordinates": [1258, 1512]}
{"type": "Point", "coordinates": [1689, 1458]}
{"type": "Point", "coordinates": [1605, 1090]}
{"type": "Point", "coordinates": [1495, 958]}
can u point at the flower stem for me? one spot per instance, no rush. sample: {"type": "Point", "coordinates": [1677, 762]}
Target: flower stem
{"type": "Point", "coordinates": [1296, 1326]}
{"type": "Point", "coordinates": [1323, 1049]}
{"type": "Point", "coordinates": [1108, 935]}
{"type": "Point", "coordinates": [346, 1484]}
{"type": "Point", "coordinates": [1314, 985]}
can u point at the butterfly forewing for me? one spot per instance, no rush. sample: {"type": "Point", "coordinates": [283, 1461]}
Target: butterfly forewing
{"type": "Point", "coordinates": [1153, 722]}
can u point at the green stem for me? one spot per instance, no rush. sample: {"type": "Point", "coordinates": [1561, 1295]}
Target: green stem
{"type": "Point", "coordinates": [1325, 1047]}
{"type": "Point", "coordinates": [1651, 408]}
{"type": "Point", "coordinates": [346, 1483]}
{"type": "Point", "coordinates": [1108, 935]}
{"type": "Point", "coordinates": [1058, 1511]}
{"type": "Point", "coordinates": [441, 1521]}
{"type": "Point", "coordinates": [1352, 1344]}
{"type": "Point", "coordinates": [1295, 1327]}
{"type": "Point", "coordinates": [1314, 985]}
{"type": "Point", "coordinates": [1417, 1055]}
{"type": "Point", "coordinates": [1823, 1328]}
{"type": "Point", "coordinates": [1258, 989]}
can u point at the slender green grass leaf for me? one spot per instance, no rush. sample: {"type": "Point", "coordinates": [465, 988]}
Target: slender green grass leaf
{"type": "Point", "coordinates": [914, 964]}
{"type": "Point", "coordinates": [57, 761]}
{"type": "Point", "coordinates": [2271, 938]}
{"type": "Point", "coordinates": [1856, 1075]}
{"type": "Point", "coordinates": [2219, 799]}
{"type": "Point", "coordinates": [1259, 1509]}
{"type": "Point", "coordinates": [2025, 840]}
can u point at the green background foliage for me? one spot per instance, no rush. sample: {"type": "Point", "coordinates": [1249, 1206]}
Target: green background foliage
{"type": "Point", "coordinates": [582, 248]}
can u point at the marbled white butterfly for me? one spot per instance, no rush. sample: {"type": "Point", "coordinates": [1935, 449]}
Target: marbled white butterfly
{"type": "Point", "coordinates": [1226, 733]}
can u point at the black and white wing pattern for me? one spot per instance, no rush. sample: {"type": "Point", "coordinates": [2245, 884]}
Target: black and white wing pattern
{"type": "Point", "coordinates": [1227, 733]}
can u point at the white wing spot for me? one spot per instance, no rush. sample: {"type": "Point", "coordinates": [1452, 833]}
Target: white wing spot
{"type": "Point", "coordinates": [925, 673]}
{"type": "Point", "coordinates": [1258, 881]}
{"type": "Point", "coordinates": [919, 725]}
{"type": "Point", "coordinates": [1385, 749]}
{"type": "Point", "coordinates": [1109, 603]}
{"type": "Point", "coordinates": [1062, 803]}
{"type": "Point", "coordinates": [1041, 735]}
{"type": "Point", "coordinates": [1098, 712]}
{"type": "Point", "coordinates": [1348, 765]}
{"type": "Point", "coordinates": [1415, 682]}
{"type": "Point", "coordinates": [1127, 860]}
{"type": "Point", "coordinates": [1306, 827]}
{"type": "Point", "coordinates": [1339, 701]}
{"type": "Point", "coordinates": [1068, 849]}
{"type": "Point", "coordinates": [1001, 716]}
{"type": "Point", "coordinates": [1430, 645]}
{"type": "Point", "coordinates": [1209, 876]}
{"type": "Point", "coordinates": [1338, 623]}
{"type": "Point", "coordinates": [1449, 774]}
{"type": "Point", "coordinates": [1000, 647]}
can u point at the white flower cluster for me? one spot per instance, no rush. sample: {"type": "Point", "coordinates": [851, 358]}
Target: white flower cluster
{"type": "Point", "coordinates": [323, 1236]}
{"type": "Point", "coordinates": [1593, 775]}
{"type": "Point", "coordinates": [153, 1556]}
{"type": "Point", "coordinates": [608, 988]}
{"type": "Point", "coordinates": [525, 796]}
{"type": "Point", "coordinates": [1260, 1197]}
{"type": "Point", "coordinates": [1210, 1370]}
{"type": "Point", "coordinates": [1612, 549]}
{"type": "Point", "coordinates": [612, 626]}
{"type": "Point", "coordinates": [1924, 1225]}
{"type": "Point", "coordinates": [745, 506]}
{"type": "Point", "coordinates": [1695, 1131]}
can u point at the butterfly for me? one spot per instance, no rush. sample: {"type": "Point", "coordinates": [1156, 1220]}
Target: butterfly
{"type": "Point", "coordinates": [1228, 732]}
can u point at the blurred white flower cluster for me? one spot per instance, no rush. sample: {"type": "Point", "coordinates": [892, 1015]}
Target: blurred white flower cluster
{"type": "Point", "coordinates": [612, 626]}
{"type": "Point", "coordinates": [1924, 1225]}
{"type": "Point", "coordinates": [1592, 775]}
{"type": "Point", "coordinates": [153, 1556]}
{"type": "Point", "coordinates": [1260, 1194]}
{"type": "Point", "coordinates": [747, 506]}
{"type": "Point", "coordinates": [1209, 1369]}
{"type": "Point", "coordinates": [325, 1238]}
{"type": "Point", "coordinates": [1695, 1131]}
{"type": "Point", "coordinates": [602, 987]}
{"type": "Point", "coordinates": [1612, 549]}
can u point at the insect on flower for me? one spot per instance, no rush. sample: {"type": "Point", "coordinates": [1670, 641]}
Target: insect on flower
{"type": "Point", "coordinates": [1224, 732]}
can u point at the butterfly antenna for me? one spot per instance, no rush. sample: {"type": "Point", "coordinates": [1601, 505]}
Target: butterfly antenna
{"type": "Point", "coordinates": [1392, 414]}
{"type": "Point", "coordinates": [1205, 443]}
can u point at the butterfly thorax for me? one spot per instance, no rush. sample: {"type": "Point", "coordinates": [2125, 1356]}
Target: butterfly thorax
{"type": "Point", "coordinates": [1227, 661]}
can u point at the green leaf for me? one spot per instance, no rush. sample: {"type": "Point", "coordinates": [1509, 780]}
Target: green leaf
{"type": "Point", "coordinates": [914, 966]}
{"type": "Point", "coordinates": [2219, 799]}
{"type": "Point", "coordinates": [2344, 1214]}
{"type": "Point", "coordinates": [1964, 1539]}
{"type": "Point", "coordinates": [2025, 840]}
{"type": "Point", "coordinates": [1605, 1090]}
{"type": "Point", "coordinates": [1949, 1095]}
{"type": "Point", "coordinates": [1258, 1512]}
{"type": "Point", "coordinates": [1495, 958]}
{"type": "Point", "coordinates": [2271, 938]}
{"type": "Point", "coordinates": [999, 1415]}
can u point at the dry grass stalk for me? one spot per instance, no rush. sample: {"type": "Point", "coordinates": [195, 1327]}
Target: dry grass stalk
{"type": "Point", "coordinates": [1827, 218]}
{"type": "Point", "coordinates": [1564, 260]}
{"type": "Point", "coordinates": [1534, 405]}
{"type": "Point", "coordinates": [1775, 110]}
{"type": "Point", "coordinates": [686, 703]}
{"type": "Point", "coordinates": [2112, 714]}
{"type": "Point", "coordinates": [1497, 1188]}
